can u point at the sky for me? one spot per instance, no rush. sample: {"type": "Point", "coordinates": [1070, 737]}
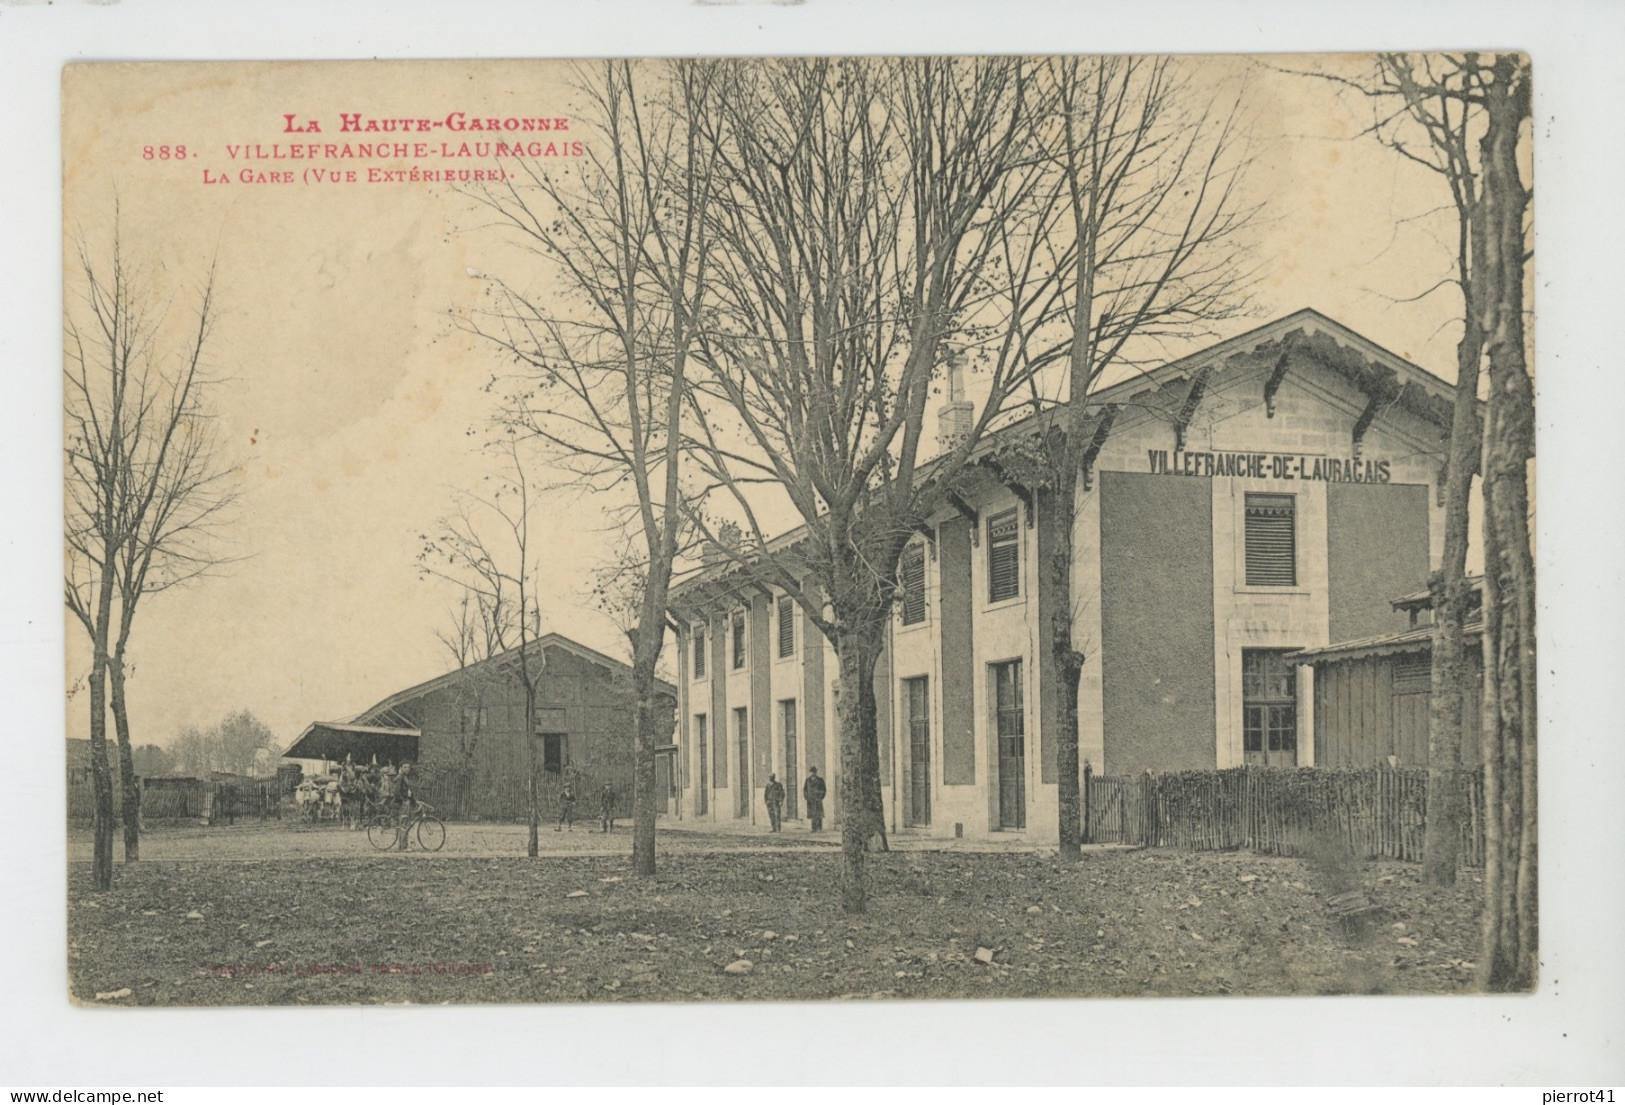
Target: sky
{"type": "Point", "coordinates": [354, 405]}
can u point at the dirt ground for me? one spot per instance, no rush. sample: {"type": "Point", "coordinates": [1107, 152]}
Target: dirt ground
{"type": "Point", "coordinates": [327, 920]}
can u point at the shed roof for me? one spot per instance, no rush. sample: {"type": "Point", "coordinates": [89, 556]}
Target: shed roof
{"type": "Point", "coordinates": [333, 740]}
{"type": "Point", "coordinates": [1419, 639]}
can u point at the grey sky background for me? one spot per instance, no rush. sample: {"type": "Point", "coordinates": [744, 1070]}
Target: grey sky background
{"type": "Point", "coordinates": [350, 393]}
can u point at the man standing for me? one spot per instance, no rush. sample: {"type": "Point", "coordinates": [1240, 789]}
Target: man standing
{"type": "Point", "coordinates": [813, 791]}
{"type": "Point", "coordinates": [405, 803]}
{"type": "Point", "coordinates": [567, 808]}
{"type": "Point", "coordinates": [774, 796]}
{"type": "Point", "coordinates": [606, 809]}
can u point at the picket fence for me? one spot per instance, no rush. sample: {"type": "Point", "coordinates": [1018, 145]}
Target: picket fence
{"type": "Point", "coordinates": [1375, 813]}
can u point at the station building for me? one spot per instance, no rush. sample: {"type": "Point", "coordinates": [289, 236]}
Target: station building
{"type": "Point", "coordinates": [465, 733]}
{"type": "Point", "coordinates": [1266, 496]}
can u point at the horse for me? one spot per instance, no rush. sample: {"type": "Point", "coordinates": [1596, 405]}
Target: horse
{"type": "Point", "coordinates": [352, 802]}
{"type": "Point", "coordinates": [309, 797]}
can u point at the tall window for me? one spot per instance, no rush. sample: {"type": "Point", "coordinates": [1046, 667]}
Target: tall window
{"type": "Point", "coordinates": [1269, 707]}
{"type": "Point", "coordinates": [703, 791]}
{"type": "Point", "coordinates": [1010, 724]}
{"type": "Point", "coordinates": [475, 719]}
{"type": "Point", "coordinates": [787, 626]}
{"type": "Point", "coordinates": [742, 761]}
{"type": "Point", "coordinates": [1272, 552]}
{"type": "Point", "coordinates": [917, 696]}
{"type": "Point", "coordinates": [911, 575]}
{"type": "Point", "coordinates": [792, 767]}
{"type": "Point", "coordinates": [699, 654]}
{"type": "Point", "coordinates": [737, 631]}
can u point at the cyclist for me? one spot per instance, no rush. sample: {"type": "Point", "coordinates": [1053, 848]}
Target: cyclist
{"type": "Point", "coordinates": [405, 787]}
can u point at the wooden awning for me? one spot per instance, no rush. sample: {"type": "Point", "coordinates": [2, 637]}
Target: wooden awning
{"type": "Point", "coordinates": [333, 740]}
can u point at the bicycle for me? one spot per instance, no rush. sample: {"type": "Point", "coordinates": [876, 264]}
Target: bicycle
{"type": "Point", "coordinates": [384, 832]}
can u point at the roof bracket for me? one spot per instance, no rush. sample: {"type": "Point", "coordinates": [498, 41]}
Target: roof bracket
{"type": "Point", "coordinates": [1193, 400]}
{"type": "Point", "coordinates": [1273, 384]}
{"type": "Point", "coordinates": [1103, 429]}
{"type": "Point", "coordinates": [1376, 400]}
{"type": "Point", "coordinates": [929, 532]}
{"type": "Point", "coordinates": [957, 501]}
{"type": "Point", "coordinates": [1015, 486]}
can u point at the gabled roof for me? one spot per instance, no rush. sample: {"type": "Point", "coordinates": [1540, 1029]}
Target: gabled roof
{"type": "Point", "coordinates": [1358, 358]}
{"type": "Point", "coordinates": [378, 712]}
{"type": "Point", "coordinates": [1309, 323]}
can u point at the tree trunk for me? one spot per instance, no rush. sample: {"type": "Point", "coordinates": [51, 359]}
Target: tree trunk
{"type": "Point", "coordinates": [129, 793]}
{"type": "Point", "coordinates": [534, 798]}
{"type": "Point", "coordinates": [643, 767]}
{"type": "Point", "coordinates": [101, 770]}
{"type": "Point", "coordinates": [1068, 661]}
{"type": "Point", "coordinates": [857, 652]}
{"type": "Point", "coordinates": [1452, 675]}
{"type": "Point", "coordinates": [102, 779]}
{"type": "Point", "coordinates": [1510, 956]}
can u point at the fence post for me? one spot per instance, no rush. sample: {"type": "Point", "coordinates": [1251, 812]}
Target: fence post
{"type": "Point", "coordinates": [1088, 782]}
{"type": "Point", "coordinates": [1147, 816]}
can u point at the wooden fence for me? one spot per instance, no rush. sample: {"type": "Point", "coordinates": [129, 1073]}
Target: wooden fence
{"type": "Point", "coordinates": [1376, 813]}
{"type": "Point", "coordinates": [185, 799]}
{"type": "Point", "coordinates": [507, 797]}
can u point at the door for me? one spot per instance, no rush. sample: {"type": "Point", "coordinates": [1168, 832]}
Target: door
{"type": "Point", "coordinates": [742, 789]}
{"type": "Point", "coordinates": [792, 792]}
{"type": "Point", "coordinates": [555, 752]}
{"type": "Point", "coordinates": [1269, 710]}
{"type": "Point", "coordinates": [665, 781]}
{"type": "Point", "coordinates": [918, 704]}
{"type": "Point", "coordinates": [1011, 727]}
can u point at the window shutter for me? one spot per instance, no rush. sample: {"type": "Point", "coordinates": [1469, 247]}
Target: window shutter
{"type": "Point", "coordinates": [1272, 557]}
{"type": "Point", "coordinates": [913, 580]}
{"type": "Point", "coordinates": [1003, 557]}
{"type": "Point", "coordinates": [699, 654]}
{"type": "Point", "coordinates": [738, 624]}
{"type": "Point", "coordinates": [787, 626]}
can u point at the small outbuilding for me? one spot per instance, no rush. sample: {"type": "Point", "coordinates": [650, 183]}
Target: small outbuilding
{"type": "Point", "coordinates": [1372, 695]}
{"type": "Point", "coordinates": [464, 732]}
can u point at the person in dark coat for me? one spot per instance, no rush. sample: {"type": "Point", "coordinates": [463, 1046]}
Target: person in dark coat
{"type": "Point", "coordinates": [813, 790]}
{"type": "Point", "coordinates": [773, 794]}
{"type": "Point", "coordinates": [567, 808]}
{"type": "Point", "coordinates": [606, 809]}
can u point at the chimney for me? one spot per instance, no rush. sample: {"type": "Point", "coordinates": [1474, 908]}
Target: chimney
{"type": "Point", "coordinates": [730, 537]}
{"type": "Point", "coordinates": [954, 419]}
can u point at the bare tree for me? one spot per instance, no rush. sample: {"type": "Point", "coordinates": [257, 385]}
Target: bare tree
{"type": "Point", "coordinates": [1150, 229]}
{"type": "Point", "coordinates": [857, 234]}
{"type": "Point", "coordinates": [1425, 113]}
{"type": "Point", "coordinates": [147, 486]}
{"type": "Point", "coordinates": [486, 547]}
{"type": "Point", "coordinates": [604, 358]}
{"type": "Point", "coordinates": [478, 628]}
{"type": "Point", "coordinates": [1466, 118]}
